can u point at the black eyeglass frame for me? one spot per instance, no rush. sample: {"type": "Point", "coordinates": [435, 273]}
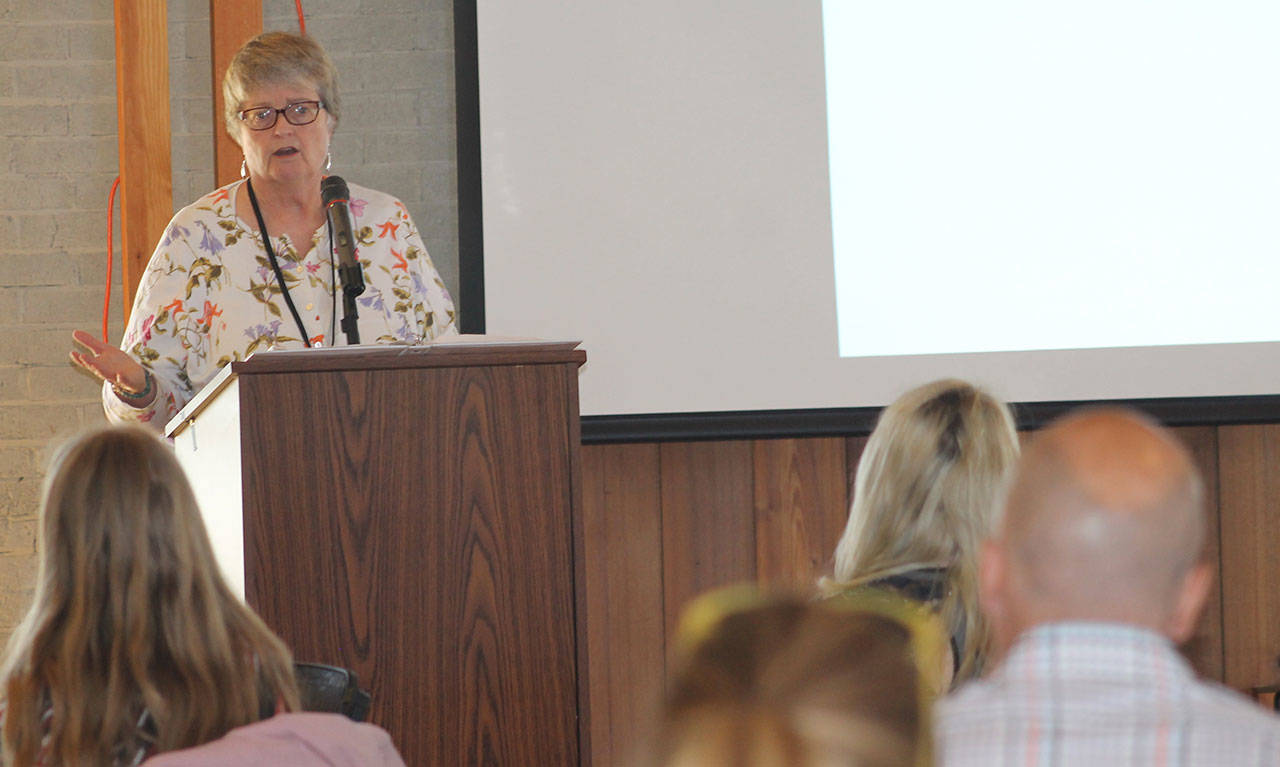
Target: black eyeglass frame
{"type": "Point", "coordinates": [276, 112]}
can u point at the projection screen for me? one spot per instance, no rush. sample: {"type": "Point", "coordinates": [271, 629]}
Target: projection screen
{"type": "Point", "coordinates": [790, 205]}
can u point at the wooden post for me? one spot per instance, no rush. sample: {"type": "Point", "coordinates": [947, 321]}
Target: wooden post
{"type": "Point", "coordinates": [142, 103]}
{"type": "Point", "coordinates": [232, 23]}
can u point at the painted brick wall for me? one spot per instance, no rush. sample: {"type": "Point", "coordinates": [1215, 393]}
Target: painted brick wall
{"type": "Point", "coordinates": [58, 157]}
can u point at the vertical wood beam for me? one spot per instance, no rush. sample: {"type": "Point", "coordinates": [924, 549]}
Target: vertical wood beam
{"type": "Point", "coordinates": [142, 108]}
{"type": "Point", "coordinates": [232, 23]}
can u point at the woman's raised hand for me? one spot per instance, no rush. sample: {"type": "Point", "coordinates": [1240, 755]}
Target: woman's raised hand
{"type": "Point", "coordinates": [110, 364]}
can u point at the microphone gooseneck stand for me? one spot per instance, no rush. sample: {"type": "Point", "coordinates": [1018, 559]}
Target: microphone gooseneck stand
{"type": "Point", "coordinates": [334, 192]}
{"type": "Point", "coordinates": [336, 196]}
{"type": "Point", "coordinates": [350, 314]}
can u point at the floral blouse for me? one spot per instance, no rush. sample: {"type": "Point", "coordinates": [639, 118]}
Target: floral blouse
{"type": "Point", "coordinates": [209, 295]}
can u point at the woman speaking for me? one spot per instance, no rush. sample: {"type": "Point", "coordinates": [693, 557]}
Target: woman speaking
{"type": "Point", "coordinates": [251, 266]}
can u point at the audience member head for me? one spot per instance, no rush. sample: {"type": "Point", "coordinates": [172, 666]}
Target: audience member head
{"type": "Point", "coordinates": [926, 494]}
{"type": "Point", "coordinates": [131, 621]}
{"type": "Point", "coordinates": [790, 683]}
{"type": "Point", "coordinates": [1104, 522]}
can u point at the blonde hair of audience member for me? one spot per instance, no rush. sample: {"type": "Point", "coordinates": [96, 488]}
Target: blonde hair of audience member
{"type": "Point", "coordinates": [1104, 522]}
{"type": "Point", "coordinates": [926, 494]}
{"type": "Point", "coordinates": [790, 683]}
{"type": "Point", "coordinates": [131, 617]}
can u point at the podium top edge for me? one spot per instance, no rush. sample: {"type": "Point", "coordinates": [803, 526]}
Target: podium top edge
{"type": "Point", "coordinates": [458, 351]}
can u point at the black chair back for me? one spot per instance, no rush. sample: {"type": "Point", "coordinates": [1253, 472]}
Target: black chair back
{"type": "Point", "coordinates": [332, 689]}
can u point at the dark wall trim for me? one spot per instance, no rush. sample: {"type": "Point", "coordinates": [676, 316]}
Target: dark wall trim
{"type": "Point", "coordinates": [466, 65]}
{"type": "Point", "coordinates": [850, 422]}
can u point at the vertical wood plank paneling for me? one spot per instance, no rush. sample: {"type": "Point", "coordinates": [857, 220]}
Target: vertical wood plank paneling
{"type": "Point", "coordinates": [1204, 650]}
{"type": "Point", "coordinates": [853, 447]}
{"type": "Point", "coordinates": [232, 23]}
{"type": "Point", "coordinates": [708, 528]}
{"type": "Point", "coordinates": [723, 512]}
{"type": "Point", "coordinates": [142, 108]}
{"type": "Point", "coordinates": [801, 502]}
{"type": "Point", "coordinates": [1249, 492]}
{"type": "Point", "coordinates": [622, 544]}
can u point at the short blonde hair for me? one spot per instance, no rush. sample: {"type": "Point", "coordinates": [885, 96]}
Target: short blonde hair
{"type": "Point", "coordinates": [927, 492]}
{"type": "Point", "coordinates": [274, 58]}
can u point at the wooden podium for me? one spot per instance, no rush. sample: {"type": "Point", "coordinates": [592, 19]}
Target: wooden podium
{"type": "Point", "coordinates": [411, 513]}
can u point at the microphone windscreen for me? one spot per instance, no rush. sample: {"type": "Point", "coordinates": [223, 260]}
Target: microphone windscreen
{"type": "Point", "coordinates": [332, 189]}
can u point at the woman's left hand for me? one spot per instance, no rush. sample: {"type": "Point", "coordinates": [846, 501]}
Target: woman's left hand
{"type": "Point", "coordinates": [110, 364]}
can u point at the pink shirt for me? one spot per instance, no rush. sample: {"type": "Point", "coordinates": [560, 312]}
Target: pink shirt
{"type": "Point", "coordinates": [292, 740]}
{"type": "Point", "coordinates": [1096, 695]}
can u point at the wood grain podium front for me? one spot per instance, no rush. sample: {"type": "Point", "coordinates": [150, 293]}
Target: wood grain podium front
{"type": "Point", "coordinates": [411, 513]}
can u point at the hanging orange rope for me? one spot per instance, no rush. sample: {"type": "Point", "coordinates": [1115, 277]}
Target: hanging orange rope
{"type": "Point", "coordinates": [106, 301]}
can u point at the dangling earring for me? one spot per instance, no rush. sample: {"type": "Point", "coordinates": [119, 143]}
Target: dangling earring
{"type": "Point", "coordinates": [244, 169]}
{"type": "Point", "coordinates": [328, 160]}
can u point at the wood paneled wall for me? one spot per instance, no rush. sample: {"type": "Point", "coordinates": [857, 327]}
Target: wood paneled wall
{"type": "Point", "coordinates": [1249, 493]}
{"type": "Point", "coordinates": [664, 522]}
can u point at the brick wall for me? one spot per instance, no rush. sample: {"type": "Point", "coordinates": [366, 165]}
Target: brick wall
{"type": "Point", "coordinates": [58, 157]}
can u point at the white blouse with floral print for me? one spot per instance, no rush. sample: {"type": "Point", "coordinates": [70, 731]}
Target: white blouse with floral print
{"type": "Point", "coordinates": [209, 295]}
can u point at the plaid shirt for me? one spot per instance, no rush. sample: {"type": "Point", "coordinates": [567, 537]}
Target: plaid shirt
{"type": "Point", "coordinates": [1098, 694]}
{"type": "Point", "coordinates": [43, 757]}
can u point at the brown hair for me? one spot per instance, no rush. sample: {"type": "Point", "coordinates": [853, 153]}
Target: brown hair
{"type": "Point", "coordinates": [927, 492]}
{"type": "Point", "coordinates": [789, 683]}
{"type": "Point", "coordinates": [274, 58]}
{"type": "Point", "coordinates": [131, 616]}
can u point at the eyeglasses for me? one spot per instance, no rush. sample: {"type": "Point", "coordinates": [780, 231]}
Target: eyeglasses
{"type": "Point", "coordinates": [297, 113]}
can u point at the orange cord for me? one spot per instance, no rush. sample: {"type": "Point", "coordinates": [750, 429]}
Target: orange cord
{"type": "Point", "coordinates": [106, 301]}
{"type": "Point", "coordinates": [302, 21]}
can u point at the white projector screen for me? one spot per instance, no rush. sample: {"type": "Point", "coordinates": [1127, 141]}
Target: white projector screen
{"type": "Point", "coordinates": [790, 205]}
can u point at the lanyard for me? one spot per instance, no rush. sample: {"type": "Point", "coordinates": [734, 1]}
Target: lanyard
{"type": "Point", "coordinates": [275, 266]}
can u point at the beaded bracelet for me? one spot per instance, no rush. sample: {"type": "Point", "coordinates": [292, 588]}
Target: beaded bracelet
{"type": "Point", "coordinates": [135, 395]}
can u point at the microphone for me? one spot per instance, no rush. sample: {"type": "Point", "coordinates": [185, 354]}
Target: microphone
{"type": "Point", "coordinates": [334, 192]}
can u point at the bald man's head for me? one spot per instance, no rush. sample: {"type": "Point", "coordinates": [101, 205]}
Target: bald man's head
{"type": "Point", "coordinates": [1104, 521]}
